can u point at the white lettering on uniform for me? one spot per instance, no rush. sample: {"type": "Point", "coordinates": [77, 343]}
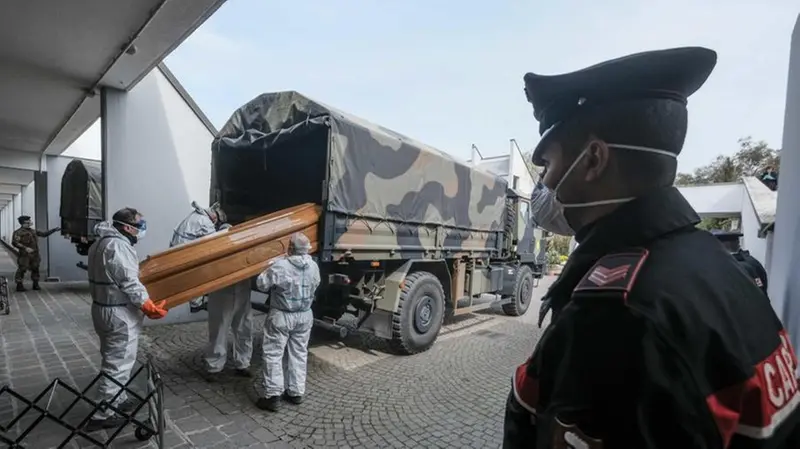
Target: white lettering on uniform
{"type": "Point", "coordinates": [777, 373]}
{"type": "Point", "coordinates": [575, 442]}
{"type": "Point", "coordinates": [788, 386]}
{"type": "Point", "coordinates": [776, 395]}
{"type": "Point", "coordinates": [786, 352]}
{"type": "Point", "coordinates": [781, 366]}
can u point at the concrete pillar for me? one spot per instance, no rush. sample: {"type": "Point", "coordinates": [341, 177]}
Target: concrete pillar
{"type": "Point", "coordinates": [17, 209]}
{"type": "Point", "coordinates": [28, 202]}
{"type": "Point", "coordinates": [156, 157]}
{"type": "Point", "coordinates": [43, 219]}
{"type": "Point", "coordinates": [11, 222]}
{"type": "Point", "coordinates": [4, 224]}
{"type": "Point", "coordinates": [784, 284]}
{"type": "Point", "coordinates": [7, 226]}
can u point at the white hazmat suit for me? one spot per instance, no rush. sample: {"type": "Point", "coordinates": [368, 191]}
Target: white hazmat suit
{"type": "Point", "coordinates": [291, 283]}
{"type": "Point", "coordinates": [198, 224]}
{"type": "Point", "coordinates": [117, 300]}
{"type": "Point", "coordinates": [229, 308]}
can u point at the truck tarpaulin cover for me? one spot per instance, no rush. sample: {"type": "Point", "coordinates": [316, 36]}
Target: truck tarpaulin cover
{"type": "Point", "coordinates": [81, 197]}
{"type": "Point", "coordinates": [372, 171]}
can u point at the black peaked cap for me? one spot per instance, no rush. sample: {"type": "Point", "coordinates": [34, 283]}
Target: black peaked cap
{"type": "Point", "coordinates": [672, 74]}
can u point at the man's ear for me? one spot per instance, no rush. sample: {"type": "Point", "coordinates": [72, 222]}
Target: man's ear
{"type": "Point", "coordinates": [597, 160]}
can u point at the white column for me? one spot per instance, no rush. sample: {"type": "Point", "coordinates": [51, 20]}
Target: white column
{"type": "Point", "coordinates": [28, 204]}
{"type": "Point", "coordinates": [784, 282]}
{"type": "Point", "coordinates": [157, 159]}
{"type": "Point", "coordinates": [17, 201]}
{"type": "Point", "coordinates": [4, 224]}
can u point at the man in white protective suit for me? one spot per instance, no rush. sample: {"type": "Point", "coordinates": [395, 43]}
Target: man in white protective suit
{"type": "Point", "coordinates": [229, 308]}
{"type": "Point", "coordinates": [119, 305]}
{"type": "Point", "coordinates": [200, 223]}
{"type": "Point", "coordinates": [291, 283]}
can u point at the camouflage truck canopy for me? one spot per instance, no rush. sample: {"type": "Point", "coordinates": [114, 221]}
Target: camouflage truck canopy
{"type": "Point", "coordinates": [281, 144]}
{"type": "Point", "coordinates": [81, 197]}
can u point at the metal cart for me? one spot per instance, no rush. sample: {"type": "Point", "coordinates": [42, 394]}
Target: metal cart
{"type": "Point", "coordinates": [5, 305]}
{"type": "Point", "coordinates": [152, 426]}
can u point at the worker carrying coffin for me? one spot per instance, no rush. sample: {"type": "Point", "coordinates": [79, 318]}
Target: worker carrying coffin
{"type": "Point", "coordinates": [657, 338]}
{"type": "Point", "coordinates": [199, 223]}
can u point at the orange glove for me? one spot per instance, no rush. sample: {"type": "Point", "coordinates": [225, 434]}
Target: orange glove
{"type": "Point", "coordinates": [154, 310]}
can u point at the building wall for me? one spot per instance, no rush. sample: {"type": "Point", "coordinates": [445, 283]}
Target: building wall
{"type": "Point", "coordinates": [519, 168]}
{"type": "Point", "coordinates": [716, 200]}
{"type": "Point", "coordinates": [157, 159]}
{"type": "Point", "coordinates": [508, 167]}
{"type": "Point", "coordinates": [749, 227]}
{"type": "Point", "coordinates": [784, 282]}
{"type": "Point", "coordinates": [770, 238]}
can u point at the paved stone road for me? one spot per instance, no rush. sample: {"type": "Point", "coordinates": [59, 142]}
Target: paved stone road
{"type": "Point", "coordinates": [358, 395]}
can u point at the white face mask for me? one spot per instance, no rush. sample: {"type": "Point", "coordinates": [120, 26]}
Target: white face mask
{"type": "Point", "coordinates": [547, 211]}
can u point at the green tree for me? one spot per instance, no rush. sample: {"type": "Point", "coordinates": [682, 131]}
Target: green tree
{"type": "Point", "coordinates": [751, 159]}
{"type": "Point", "coordinates": [560, 244]}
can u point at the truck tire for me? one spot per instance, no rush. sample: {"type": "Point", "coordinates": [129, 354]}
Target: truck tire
{"type": "Point", "coordinates": [523, 292]}
{"type": "Point", "coordinates": [419, 315]}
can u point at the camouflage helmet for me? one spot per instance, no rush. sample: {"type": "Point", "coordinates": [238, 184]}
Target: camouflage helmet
{"type": "Point", "coordinates": [299, 244]}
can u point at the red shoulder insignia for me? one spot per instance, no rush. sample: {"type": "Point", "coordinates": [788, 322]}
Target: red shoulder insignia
{"type": "Point", "coordinates": [615, 272]}
{"type": "Point", "coordinates": [526, 388]}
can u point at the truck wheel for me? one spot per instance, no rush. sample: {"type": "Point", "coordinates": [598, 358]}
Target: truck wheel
{"type": "Point", "coordinates": [523, 291]}
{"type": "Point", "coordinates": [418, 319]}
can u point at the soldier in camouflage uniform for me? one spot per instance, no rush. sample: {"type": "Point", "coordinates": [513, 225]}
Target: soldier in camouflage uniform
{"type": "Point", "coordinates": [26, 241]}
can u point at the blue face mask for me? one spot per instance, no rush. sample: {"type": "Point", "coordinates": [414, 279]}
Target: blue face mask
{"type": "Point", "coordinates": [142, 227]}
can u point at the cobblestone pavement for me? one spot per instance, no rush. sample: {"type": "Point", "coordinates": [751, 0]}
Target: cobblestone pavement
{"type": "Point", "coordinates": [358, 395]}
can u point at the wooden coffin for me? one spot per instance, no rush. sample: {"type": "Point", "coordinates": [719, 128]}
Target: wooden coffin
{"type": "Point", "coordinates": [210, 263]}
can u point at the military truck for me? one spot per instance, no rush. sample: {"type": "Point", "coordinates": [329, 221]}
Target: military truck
{"type": "Point", "coordinates": [408, 235]}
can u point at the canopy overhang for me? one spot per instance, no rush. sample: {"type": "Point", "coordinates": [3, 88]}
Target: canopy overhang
{"type": "Point", "coordinates": [56, 56]}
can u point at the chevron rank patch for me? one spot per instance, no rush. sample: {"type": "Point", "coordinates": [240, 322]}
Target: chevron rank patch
{"type": "Point", "coordinates": [614, 272]}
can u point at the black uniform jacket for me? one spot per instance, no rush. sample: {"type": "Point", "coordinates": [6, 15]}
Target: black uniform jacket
{"type": "Point", "coordinates": [657, 340]}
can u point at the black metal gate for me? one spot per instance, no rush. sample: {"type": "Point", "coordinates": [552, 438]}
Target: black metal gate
{"type": "Point", "coordinates": [5, 306]}
{"type": "Point", "coordinates": [152, 426]}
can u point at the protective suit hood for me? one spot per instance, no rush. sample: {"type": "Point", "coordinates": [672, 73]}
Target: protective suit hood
{"type": "Point", "coordinates": [197, 208]}
{"type": "Point", "coordinates": [196, 225]}
{"type": "Point", "coordinates": [107, 229]}
{"type": "Point", "coordinates": [301, 261]}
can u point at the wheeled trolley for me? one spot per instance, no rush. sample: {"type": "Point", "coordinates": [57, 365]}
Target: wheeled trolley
{"type": "Point", "coordinates": [152, 398]}
{"type": "Point", "coordinates": [5, 305]}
